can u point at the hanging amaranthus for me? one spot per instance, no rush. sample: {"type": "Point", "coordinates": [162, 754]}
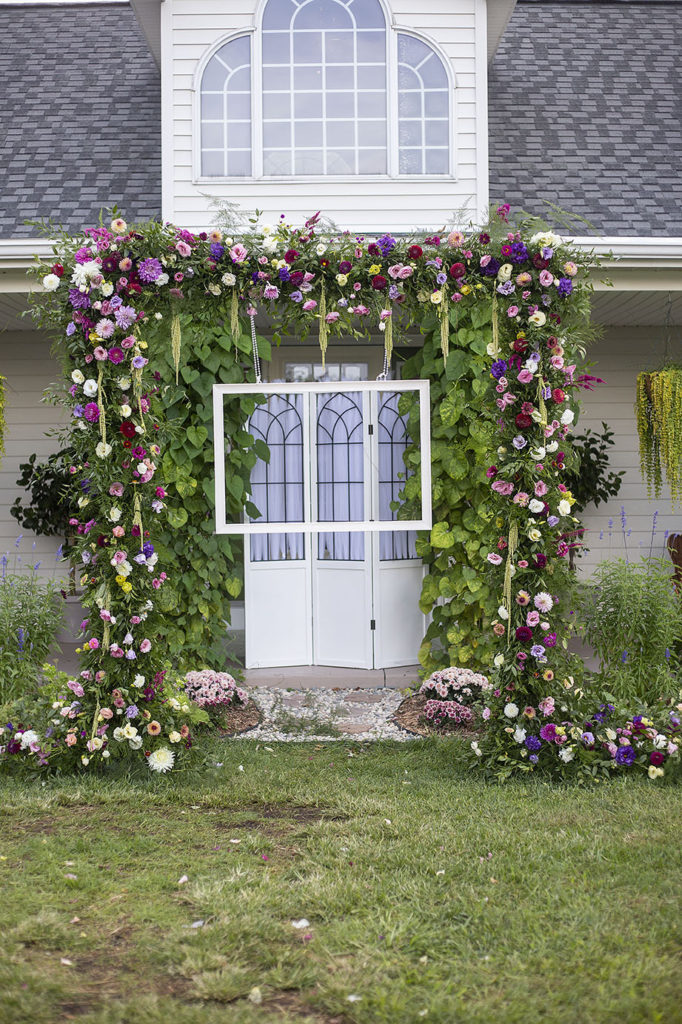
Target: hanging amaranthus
{"type": "Point", "coordinates": [234, 314]}
{"type": "Point", "coordinates": [324, 327]}
{"type": "Point", "coordinates": [659, 425]}
{"type": "Point", "coordinates": [445, 325]}
{"type": "Point", "coordinates": [176, 342]}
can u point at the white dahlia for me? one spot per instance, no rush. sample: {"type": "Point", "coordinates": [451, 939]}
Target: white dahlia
{"type": "Point", "coordinates": [161, 760]}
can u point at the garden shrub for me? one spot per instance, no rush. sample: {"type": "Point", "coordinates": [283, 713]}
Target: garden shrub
{"type": "Point", "coordinates": [30, 618]}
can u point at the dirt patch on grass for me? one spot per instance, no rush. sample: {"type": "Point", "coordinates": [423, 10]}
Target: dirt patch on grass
{"type": "Point", "coordinates": [410, 717]}
{"type": "Point", "coordinates": [43, 826]}
{"type": "Point", "coordinates": [292, 1004]}
{"type": "Point", "coordinates": [234, 721]}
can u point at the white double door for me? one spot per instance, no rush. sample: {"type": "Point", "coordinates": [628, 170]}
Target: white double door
{"type": "Point", "coordinates": [347, 599]}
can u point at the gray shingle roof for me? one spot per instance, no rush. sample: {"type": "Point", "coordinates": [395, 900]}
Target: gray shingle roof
{"type": "Point", "coordinates": [80, 119]}
{"type": "Point", "coordinates": [586, 112]}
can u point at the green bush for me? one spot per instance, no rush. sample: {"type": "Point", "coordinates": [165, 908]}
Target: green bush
{"type": "Point", "coordinates": [30, 618]}
{"type": "Point", "coordinates": [632, 617]}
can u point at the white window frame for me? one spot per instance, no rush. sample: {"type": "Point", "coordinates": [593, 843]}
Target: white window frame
{"type": "Point", "coordinates": [421, 387]}
{"type": "Point", "coordinates": [393, 29]}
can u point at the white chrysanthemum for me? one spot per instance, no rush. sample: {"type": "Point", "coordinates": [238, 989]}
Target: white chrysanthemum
{"type": "Point", "coordinates": [511, 710]}
{"type": "Point", "coordinates": [28, 738]}
{"type": "Point", "coordinates": [229, 280]}
{"type": "Point", "coordinates": [50, 282]}
{"type": "Point", "coordinates": [543, 601]}
{"type": "Point", "coordinates": [566, 754]}
{"type": "Point", "coordinates": [161, 760]}
{"type": "Point", "coordinates": [106, 289]}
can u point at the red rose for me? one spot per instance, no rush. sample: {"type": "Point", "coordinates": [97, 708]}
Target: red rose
{"type": "Point", "coordinates": [415, 252]}
{"type": "Point", "coordinates": [523, 421]}
{"type": "Point", "coordinates": [520, 345]}
{"type": "Point", "coordinates": [379, 283]}
{"type": "Point", "coordinates": [58, 269]}
{"type": "Point", "coordinates": [558, 395]}
{"type": "Point", "coordinates": [457, 270]}
{"type": "Point", "coordinates": [127, 429]}
{"type": "Point", "coordinates": [657, 757]}
{"type": "Point", "coordinates": [290, 255]}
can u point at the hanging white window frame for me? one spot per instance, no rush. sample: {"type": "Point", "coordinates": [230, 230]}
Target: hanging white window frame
{"type": "Point", "coordinates": [393, 29]}
{"type": "Point", "coordinates": [309, 524]}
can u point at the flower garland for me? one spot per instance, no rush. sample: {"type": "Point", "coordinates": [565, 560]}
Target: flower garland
{"type": "Point", "coordinates": [106, 290]}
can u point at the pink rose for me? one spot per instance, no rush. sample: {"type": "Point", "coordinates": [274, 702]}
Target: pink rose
{"type": "Point", "coordinates": [540, 489]}
{"type": "Point", "coordinates": [128, 342]}
{"type": "Point", "coordinates": [183, 248]}
{"type": "Point", "coordinates": [100, 354]}
{"type": "Point", "coordinates": [309, 305]}
{"type": "Point", "coordinates": [494, 558]}
{"type": "Point", "coordinates": [76, 687]}
{"type": "Point", "coordinates": [146, 646]}
{"type": "Point", "coordinates": [71, 739]}
{"type": "Point", "coordinates": [404, 273]}
{"type": "Point", "coordinates": [525, 376]}
{"type": "Point", "coordinates": [513, 311]}
{"type": "Point", "coordinates": [546, 278]}
{"type": "Point", "coordinates": [331, 318]}
{"type": "Point", "coordinates": [106, 713]}
{"type": "Point", "coordinates": [116, 489]}
{"type": "Point", "coordinates": [118, 531]}
{"type": "Point", "coordinates": [238, 253]}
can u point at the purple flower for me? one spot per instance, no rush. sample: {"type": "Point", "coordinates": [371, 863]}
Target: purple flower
{"type": "Point", "coordinates": [491, 268]}
{"type": "Point", "coordinates": [216, 250]}
{"type": "Point", "coordinates": [588, 739]}
{"type": "Point", "coordinates": [149, 270]}
{"type": "Point", "coordinates": [519, 442]}
{"type": "Point", "coordinates": [552, 520]}
{"type": "Point", "coordinates": [116, 355]}
{"type": "Point", "coordinates": [518, 253]}
{"type": "Point", "coordinates": [441, 278]}
{"type": "Point", "coordinates": [77, 411]}
{"type": "Point", "coordinates": [138, 362]}
{"type": "Point", "coordinates": [91, 412]}
{"type": "Point", "coordinates": [132, 711]}
{"type": "Point", "coordinates": [625, 755]}
{"type": "Point", "coordinates": [385, 243]}
{"type": "Point", "coordinates": [506, 288]}
{"type": "Point", "coordinates": [125, 316]}
{"type": "Point", "coordinates": [537, 651]}
{"type": "Point", "coordinates": [284, 273]}
{"type": "Point", "coordinates": [78, 299]}
{"type": "Point", "coordinates": [71, 329]}
{"type": "Point", "coordinates": [565, 286]}
{"type": "Point", "coordinates": [296, 296]}
{"type": "Point", "coordinates": [534, 758]}
{"type": "Point", "coordinates": [533, 742]}
{"type": "Point", "coordinates": [498, 369]}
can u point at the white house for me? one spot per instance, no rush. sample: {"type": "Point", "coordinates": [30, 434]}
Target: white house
{"type": "Point", "coordinates": [388, 116]}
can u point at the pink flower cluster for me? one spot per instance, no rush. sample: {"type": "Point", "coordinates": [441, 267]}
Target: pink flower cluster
{"type": "Point", "coordinates": [214, 689]}
{"type": "Point", "coordinates": [445, 712]}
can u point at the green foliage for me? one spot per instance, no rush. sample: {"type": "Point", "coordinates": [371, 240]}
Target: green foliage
{"type": "Point", "coordinates": [50, 502]}
{"type": "Point", "coordinates": [30, 618]}
{"type": "Point", "coordinates": [659, 425]}
{"type": "Point", "coordinates": [208, 571]}
{"type": "Point", "coordinates": [457, 595]}
{"type": "Point", "coordinates": [632, 617]}
{"type": "Point", "coordinates": [591, 481]}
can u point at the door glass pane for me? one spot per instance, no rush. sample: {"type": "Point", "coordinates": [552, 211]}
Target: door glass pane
{"type": "Point", "coordinates": [340, 473]}
{"type": "Point", "coordinates": [277, 485]}
{"type": "Point", "coordinates": [392, 441]}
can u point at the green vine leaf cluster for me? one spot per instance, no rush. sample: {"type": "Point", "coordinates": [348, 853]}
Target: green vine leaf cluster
{"type": "Point", "coordinates": [457, 596]}
{"type": "Point", "coordinates": [659, 425]}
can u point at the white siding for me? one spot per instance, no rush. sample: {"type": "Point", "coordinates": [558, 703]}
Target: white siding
{"type": "Point", "coordinates": [458, 27]}
{"type": "Point", "coordinates": [619, 357]}
{"type": "Point", "coordinates": [26, 362]}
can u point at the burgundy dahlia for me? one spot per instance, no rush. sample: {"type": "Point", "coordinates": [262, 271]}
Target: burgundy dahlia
{"type": "Point", "coordinates": [524, 634]}
{"type": "Point", "coordinates": [379, 283]}
{"type": "Point", "coordinates": [415, 252]}
{"type": "Point", "coordinates": [457, 270]}
{"type": "Point", "coordinates": [523, 421]}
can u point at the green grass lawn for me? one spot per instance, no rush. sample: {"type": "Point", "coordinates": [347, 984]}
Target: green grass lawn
{"type": "Point", "coordinates": [430, 894]}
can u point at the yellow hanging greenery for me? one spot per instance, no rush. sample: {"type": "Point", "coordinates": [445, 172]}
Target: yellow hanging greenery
{"type": "Point", "coordinates": [659, 425]}
{"type": "Point", "coordinates": [388, 339]}
{"type": "Point", "coordinates": [324, 326]}
{"type": "Point", "coordinates": [176, 342]}
{"type": "Point", "coordinates": [496, 329]}
{"type": "Point", "coordinates": [445, 325]}
{"type": "Point", "coordinates": [234, 313]}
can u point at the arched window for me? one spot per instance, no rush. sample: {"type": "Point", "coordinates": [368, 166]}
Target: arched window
{"type": "Point", "coordinates": [322, 72]}
{"type": "Point", "coordinates": [324, 87]}
{"type": "Point", "coordinates": [226, 111]}
{"type": "Point", "coordinates": [423, 109]}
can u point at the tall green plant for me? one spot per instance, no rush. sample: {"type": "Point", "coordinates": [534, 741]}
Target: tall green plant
{"type": "Point", "coordinates": [632, 617]}
{"type": "Point", "coordinates": [30, 618]}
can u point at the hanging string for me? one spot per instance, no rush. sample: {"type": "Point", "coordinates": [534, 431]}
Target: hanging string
{"type": "Point", "coordinates": [176, 342]}
{"type": "Point", "coordinates": [256, 357]}
{"type": "Point", "coordinates": [388, 338]}
{"type": "Point", "coordinates": [385, 371]}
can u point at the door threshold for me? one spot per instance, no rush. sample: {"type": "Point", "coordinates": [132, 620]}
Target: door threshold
{"type": "Point", "coordinates": [313, 677]}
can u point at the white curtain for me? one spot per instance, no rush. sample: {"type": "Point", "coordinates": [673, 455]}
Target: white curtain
{"type": "Point", "coordinates": [393, 441]}
{"type": "Point", "coordinates": [340, 473]}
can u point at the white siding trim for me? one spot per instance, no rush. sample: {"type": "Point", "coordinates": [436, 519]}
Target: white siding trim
{"type": "Point", "coordinates": [167, 113]}
{"type": "Point", "coordinates": [481, 64]}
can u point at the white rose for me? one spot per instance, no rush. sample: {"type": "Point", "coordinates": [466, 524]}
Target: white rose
{"type": "Point", "coordinates": [125, 568]}
{"type": "Point", "coordinates": [564, 507]}
{"type": "Point", "coordinates": [491, 349]}
{"type": "Point", "coordinates": [502, 612]}
{"type": "Point", "coordinates": [498, 660]}
{"type": "Point", "coordinates": [139, 682]}
{"type": "Point", "coordinates": [511, 710]}
{"type": "Point", "coordinates": [545, 238]}
{"type": "Point", "coordinates": [103, 450]}
{"type": "Point", "coordinates": [83, 501]}
{"type": "Point", "coordinates": [229, 280]}
{"type": "Point", "coordinates": [566, 754]}
{"type": "Point", "coordinates": [505, 272]}
{"type": "Point", "coordinates": [77, 377]}
{"type": "Point", "coordinates": [174, 737]}
{"type": "Point", "coordinates": [660, 741]}
{"type": "Point", "coordinates": [270, 245]}
{"type": "Point", "coordinates": [141, 467]}
{"type": "Point", "coordinates": [124, 383]}
{"type": "Point", "coordinates": [267, 229]}
{"type": "Point", "coordinates": [214, 289]}
{"type": "Point", "coordinates": [535, 506]}
{"type": "Point", "coordinates": [552, 446]}
{"type": "Point", "coordinates": [90, 387]}
{"type": "Point", "coordinates": [114, 514]}
{"type": "Point", "coordinates": [129, 731]}
{"type": "Point", "coordinates": [135, 743]}
{"type": "Point", "coordinates": [321, 250]}
{"type": "Point", "coordinates": [118, 734]}
{"type": "Point", "coordinates": [538, 453]}
{"type": "Point", "coordinates": [534, 535]}
{"type": "Point", "coordinates": [538, 318]}
{"type": "Point", "coordinates": [125, 411]}
{"type": "Point", "coordinates": [106, 288]}
{"type": "Point", "coordinates": [567, 417]}
{"type": "Point", "coordinates": [519, 734]}
{"type": "Point", "coordinates": [162, 279]}
{"type": "Point", "coordinates": [50, 282]}
{"type": "Point", "coordinates": [611, 734]}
